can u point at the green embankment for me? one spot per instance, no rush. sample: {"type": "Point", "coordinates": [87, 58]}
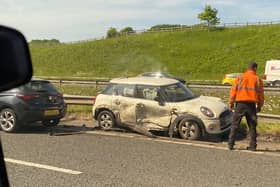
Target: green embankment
{"type": "Point", "coordinates": [190, 54]}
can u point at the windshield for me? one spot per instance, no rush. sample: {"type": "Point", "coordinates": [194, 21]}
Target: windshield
{"type": "Point", "coordinates": [176, 92]}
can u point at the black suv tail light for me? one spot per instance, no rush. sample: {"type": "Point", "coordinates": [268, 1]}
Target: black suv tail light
{"type": "Point", "coordinates": [60, 95]}
{"type": "Point", "coordinates": [27, 97]}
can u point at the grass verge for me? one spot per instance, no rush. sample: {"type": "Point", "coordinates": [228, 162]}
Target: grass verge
{"type": "Point", "coordinates": [192, 54]}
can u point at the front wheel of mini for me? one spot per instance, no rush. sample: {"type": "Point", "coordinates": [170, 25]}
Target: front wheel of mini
{"type": "Point", "coordinates": [106, 120]}
{"type": "Point", "coordinates": [189, 129]}
{"type": "Point", "coordinates": [8, 120]}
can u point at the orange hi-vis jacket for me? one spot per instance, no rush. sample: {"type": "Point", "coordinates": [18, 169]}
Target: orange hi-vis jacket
{"type": "Point", "coordinates": [247, 88]}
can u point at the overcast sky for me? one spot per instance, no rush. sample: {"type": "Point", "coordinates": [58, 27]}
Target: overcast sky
{"type": "Point", "coordinates": [73, 20]}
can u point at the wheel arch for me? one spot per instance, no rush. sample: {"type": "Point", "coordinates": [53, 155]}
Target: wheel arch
{"type": "Point", "coordinates": [175, 124]}
{"type": "Point", "coordinates": [101, 109]}
{"type": "Point", "coordinates": [4, 106]}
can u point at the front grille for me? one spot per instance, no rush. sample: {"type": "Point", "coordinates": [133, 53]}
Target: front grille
{"type": "Point", "coordinates": [225, 113]}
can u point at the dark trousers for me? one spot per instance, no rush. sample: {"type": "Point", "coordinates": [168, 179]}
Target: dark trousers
{"type": "Point", "coordinates": [249, 111]}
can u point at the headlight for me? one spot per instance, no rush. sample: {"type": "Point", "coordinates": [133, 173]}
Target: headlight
{"type": "Point", "coordinates": [207, 112]}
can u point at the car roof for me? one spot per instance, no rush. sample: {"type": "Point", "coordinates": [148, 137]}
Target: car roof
{"type": "Point", "coordinates": [152, 81]}
{"type": "Point", "coordinates": [155, 73]}
{"type": "Point", "coordinates": [234, 74]}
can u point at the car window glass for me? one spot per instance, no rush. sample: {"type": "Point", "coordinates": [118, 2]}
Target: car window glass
{"type": "Point", "coordinates": [109, 89]}
{"type": "Point", "coordinates": [120, 89]}
{"type": "Point", "coordinates": [125, 90]}
{"type": "Point", "coordinates": [177, 92]}
{"type": "Point", "coordinates": [40, 86]}
{"type": "Point", "coordinates": [117, 89]}
{"type": "Point", "coordinates": [147, 92]}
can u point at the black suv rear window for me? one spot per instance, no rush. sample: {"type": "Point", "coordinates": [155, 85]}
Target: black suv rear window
{"type": "Point", "coordinates": [40, 86]}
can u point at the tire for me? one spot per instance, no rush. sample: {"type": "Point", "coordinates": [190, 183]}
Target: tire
{"type": "Point", "coordinates": [8, 120]}
{"type": "Point", "coordinates": [189, 129]}
{"type": "Point", "coordinates": [106, 120]}
{"type": "Point", "coordinates": [276, 83]}
{"type": "Point", "coordinates": [51, 122]}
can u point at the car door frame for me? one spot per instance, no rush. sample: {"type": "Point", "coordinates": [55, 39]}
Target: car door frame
{"type": "Point", "coordinates": [155, 112]}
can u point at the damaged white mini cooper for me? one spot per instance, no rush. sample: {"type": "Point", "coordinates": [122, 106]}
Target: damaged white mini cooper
{"type": "Point", "coordinates": [160, 104]}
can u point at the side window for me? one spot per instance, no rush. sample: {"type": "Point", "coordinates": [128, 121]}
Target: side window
{"type": "Point", "coordinates": [109, 89]}
{"type": "Point", "coordinates": [147, 92]}
{"type": "Point", "coordinates": [128, 90]}
{"type": "Point", "coordinates": [120, 89]}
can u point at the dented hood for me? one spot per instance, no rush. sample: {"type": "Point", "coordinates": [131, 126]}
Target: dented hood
{"type": "Point", "coordinates": [192, 106]}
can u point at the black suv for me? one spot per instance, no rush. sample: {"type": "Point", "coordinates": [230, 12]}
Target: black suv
{"type": "Point", "coordinates": [37, 100]}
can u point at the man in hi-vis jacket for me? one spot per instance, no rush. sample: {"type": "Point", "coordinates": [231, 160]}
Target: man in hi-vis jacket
{"type": "Point", "coordinates": [248, 97]}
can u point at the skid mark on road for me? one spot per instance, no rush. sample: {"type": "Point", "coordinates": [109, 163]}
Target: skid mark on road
{"type": "Point", "coordinates": [42, 166]}
{"type": "Point", "coordinates": [111, 134]}
{"type": "Point", "coordinates": [180, 142]}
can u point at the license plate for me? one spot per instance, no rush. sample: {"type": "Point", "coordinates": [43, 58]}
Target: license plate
{"type": "Point", "coordinates": [51, 112]}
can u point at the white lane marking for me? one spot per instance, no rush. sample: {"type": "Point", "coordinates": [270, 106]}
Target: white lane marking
{"type": "Point", "coordinates": [183, 143]}
{"type": "Point", "coordinates": [42, 166]}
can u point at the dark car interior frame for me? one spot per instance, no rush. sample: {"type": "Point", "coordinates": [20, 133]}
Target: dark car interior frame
{"type": "Point", "coordinates": [15, 70]}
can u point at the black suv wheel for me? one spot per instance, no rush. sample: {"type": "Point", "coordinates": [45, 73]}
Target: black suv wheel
{"type": "Point", "coordinates": [8, 120]}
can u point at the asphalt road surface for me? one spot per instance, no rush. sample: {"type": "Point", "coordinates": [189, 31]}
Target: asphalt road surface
{"type": "Point", "coordinates": [34, 158]}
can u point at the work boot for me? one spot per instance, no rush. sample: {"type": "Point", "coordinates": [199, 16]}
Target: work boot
{"type": "Point", "coordinates": [252, 146]}
{"type": "Point", "coordinates": [230, 147]}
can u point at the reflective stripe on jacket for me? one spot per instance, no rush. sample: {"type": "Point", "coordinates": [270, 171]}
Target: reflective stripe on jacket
{"type": "Point", "coordinates": [247, 88]}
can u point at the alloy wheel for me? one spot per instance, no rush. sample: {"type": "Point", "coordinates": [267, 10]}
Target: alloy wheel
{"type": "Point", "coordinates": [7, 120]}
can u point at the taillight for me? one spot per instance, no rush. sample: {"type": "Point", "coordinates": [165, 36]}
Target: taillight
{"type": "Point", "coordinates": [60, 95]}
{"type": "Point", "coordinates": [94, 99]}
{"type": "Point", "coordinates": [27, 97]}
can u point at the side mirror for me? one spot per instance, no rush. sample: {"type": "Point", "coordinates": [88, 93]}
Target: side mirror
{"type": "Point", "coordinates": [15, 60]}
{"type": "Point", "coordinates": [15, 70]}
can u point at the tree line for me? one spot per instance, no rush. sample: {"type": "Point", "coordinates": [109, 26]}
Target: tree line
{"type": "Point", "coordinates": [208, 18]}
